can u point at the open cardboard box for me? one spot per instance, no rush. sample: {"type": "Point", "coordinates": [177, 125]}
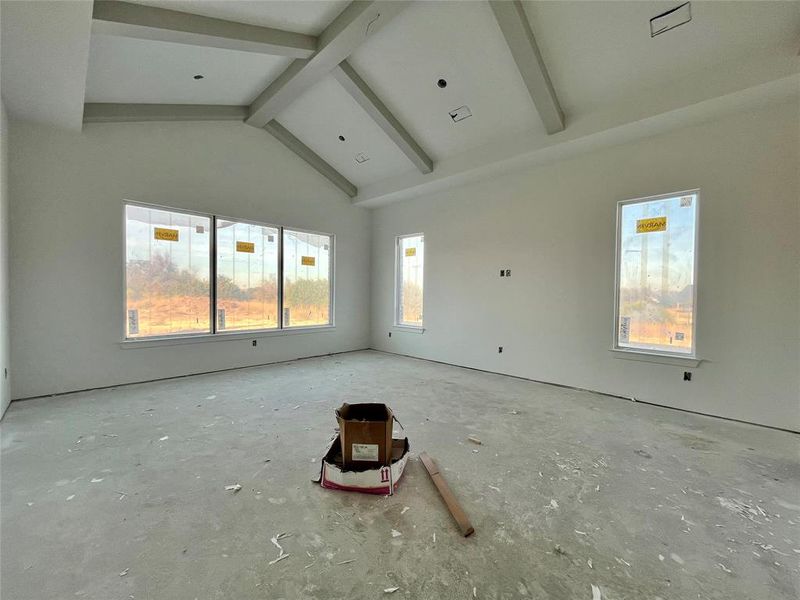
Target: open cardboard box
{"type": "Point", "coordinates": [366, 434]}
{"type": "Point", "coordinates": [372, 479]}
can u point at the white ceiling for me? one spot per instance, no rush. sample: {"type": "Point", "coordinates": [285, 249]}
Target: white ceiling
{"type": "Point", "coordinates": [462, 43]}
{"type": "Point", "coordinates": [44, 50]}
{"type": "Point", "coordinates": [599, 52]}
{"type": "Point", "coordinates": [599, 55]}
{"type": "Point", "coordinates": [324, 113]}
{"type": "Point", "coordinates": [144, 71]}
{"type": "Point", "coordinates": [301, 16]}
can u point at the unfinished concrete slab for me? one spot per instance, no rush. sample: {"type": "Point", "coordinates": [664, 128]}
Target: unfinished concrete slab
{"type": "Point", "coordinates": [121, 493]}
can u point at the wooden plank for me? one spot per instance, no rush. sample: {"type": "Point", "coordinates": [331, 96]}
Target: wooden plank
{"type": "Point", "coordinates": [447, 495]}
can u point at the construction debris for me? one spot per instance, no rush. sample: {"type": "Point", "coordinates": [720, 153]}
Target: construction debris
{"type": "Point", "coordinates": [390, 590]}
{"type": "Point", "coordinates": [475, 440]}
{"type": "Point", "coordinates": [449, 499]}
{"type": "Point", "coordinates": [233, 488]}
{"type": "Point", "coordinates": [281, 553]}
{"type": "Point", "coordinates": [280, 558]}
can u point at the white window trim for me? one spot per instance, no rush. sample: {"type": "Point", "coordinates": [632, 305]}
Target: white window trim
{"type": "Point", "coordinates": [647, 355]}
{"type": "Point", "coordinates": [216, 335]}
{"type": "Point", "coordinates": [202, 338]}
{"type": "Point", "coordinates": [398, 276]}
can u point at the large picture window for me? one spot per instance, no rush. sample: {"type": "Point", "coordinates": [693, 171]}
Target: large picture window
{"type": "Point", "coordinates": [167, 269]}
{"type": "Point", "coordinates": [247, 276]}
{"type": "Point", "coordinates": [264, 277]}
{"type": "Point", "coordinates": [656, 284]}
{"type": "Point", "coordinates": [306, 279]}
{"type": "Point", "coordinates": [410, 264]}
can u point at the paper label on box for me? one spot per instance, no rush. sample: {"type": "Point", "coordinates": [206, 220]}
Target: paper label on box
{"type": "Point", "coordinates": [365, 452]}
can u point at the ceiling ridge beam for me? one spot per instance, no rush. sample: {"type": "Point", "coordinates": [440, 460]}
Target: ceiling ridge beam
{"type": "Point", "coordinates": [149, 23]}
{"type": "Point", "coordinates": [346, 32]}
{"type": "Point", "coordinates": [107, 112]}
{"type": "Point", "coordinates": [285, 137]}
{"type": "Point", "coordinates": [383, 117]}
{"type": "Point", "coordinates": [516, 28]}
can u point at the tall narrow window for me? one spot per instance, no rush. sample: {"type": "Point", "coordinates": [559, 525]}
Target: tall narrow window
{"type": "Point", "coordinates": [307, 290]}
{"type": "Point", "coordinates": [167, 270]}
{"type": "Point", "coordinates": [410, 263]}
{"type": "Point", "coordinates": [247, 276]}
{"type": "Point", "coordinates": [656, 258]}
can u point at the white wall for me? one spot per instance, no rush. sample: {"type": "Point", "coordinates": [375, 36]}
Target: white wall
{"type": "Point", "coordinates": [67, 253]}
{"type": "Point", "coordinates": [554, 226]}
{"type": "Point", "coordinates": [5, 388]}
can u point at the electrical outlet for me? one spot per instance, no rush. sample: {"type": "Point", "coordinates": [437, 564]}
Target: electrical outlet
{"type": "Point", "coordinates": [255, 343]}
{"type": "Point", "coordinates": [508, 272]}
{"type": "Point", "coordinates": [687, 375]}
{"type": "Point", "coordinates": [499, 349]}
{"type": "Point", "coordinates": [502, 272]}
{"type": "Point", "coordinates": [390, 334]}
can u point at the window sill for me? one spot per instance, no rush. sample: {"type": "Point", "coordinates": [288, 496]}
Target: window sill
{"type": "Point", "coordinates": [220, 337]}
{"type": "Point", "coordinates": [408, 329]}
{"type": "Point", "coordinates": [652, 357]}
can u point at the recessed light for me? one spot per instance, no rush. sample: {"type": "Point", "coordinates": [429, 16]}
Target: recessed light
{"type": "Point", "coordinates": [198, 76]}
{"type": "Point", "coordinates": [442, 83]}
{"type": "Point", "coordinates": [341, 138]}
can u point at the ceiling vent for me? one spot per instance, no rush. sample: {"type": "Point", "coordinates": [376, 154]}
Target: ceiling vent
{"type": "Point", "coordinates": [680, 15]}
{"type": "Point", "coordinates": [460, 113]}
{"type": "Point", "coordinates": [361, 158]}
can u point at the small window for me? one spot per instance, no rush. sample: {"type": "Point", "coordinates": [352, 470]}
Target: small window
{"type": "Point", "coordinates": [247, 276]}
{"type": "Point", "coordinates": [410, 277]}
{"type": "Point", "coordinates": [656, 280]}
{"type": "Point", "coordinates": [307, 268]}
{"type": "Point", "coordinates": [167, 266]}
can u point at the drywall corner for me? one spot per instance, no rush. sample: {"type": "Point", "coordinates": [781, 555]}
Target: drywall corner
{"type": "Point", "coordinates": [5, 388]}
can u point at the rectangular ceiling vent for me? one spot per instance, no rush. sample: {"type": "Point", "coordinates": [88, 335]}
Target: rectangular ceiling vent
{"type": "Point", "coordinates": [460, 113]}
{"type": "Point", "coordinates": [680, 15]}
{"type": "Point", "coordinates": [361, 158]}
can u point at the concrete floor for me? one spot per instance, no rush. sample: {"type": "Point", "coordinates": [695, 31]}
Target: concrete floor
{"type": "Point", "coordinates": [120, 493]}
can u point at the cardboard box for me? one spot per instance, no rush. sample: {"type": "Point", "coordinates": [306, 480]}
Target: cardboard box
{"type": "Point", "coordinates": [366, 434]}
{"type": "Point", "coordinates": [376, 479]}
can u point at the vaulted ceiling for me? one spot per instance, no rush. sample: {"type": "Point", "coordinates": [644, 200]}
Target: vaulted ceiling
{"type": "Point", "coordinates": [363, 91]}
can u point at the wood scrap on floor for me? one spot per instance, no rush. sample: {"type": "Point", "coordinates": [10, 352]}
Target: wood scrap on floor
{"type": "Point", "coordinates": [447, 495]}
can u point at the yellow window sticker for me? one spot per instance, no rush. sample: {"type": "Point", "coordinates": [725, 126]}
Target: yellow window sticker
{"type": "Point", "coordinates": [308, 261]}
{"type": "Point", "coordinates": [651, 225]}
{"type": "Point", "coordinates": [169, 235]}
{"type": "Point", "coordinates": [248, 247]}
{"type": "Point", "coordinates": [411, 251]}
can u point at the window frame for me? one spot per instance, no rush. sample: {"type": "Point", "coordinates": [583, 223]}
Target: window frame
{"type": "Point", "coordinates": [214, 308]}
{"type": "Point", "coordinates": [398, 283]}
{"type": "Point", "coordinates": [643, 352]}
{"type": "Point", "coordinates": [211, 271]}
{"type": "Point", "coordinates": [214, 334]}
{"type": "Point", "coordinates": [331, 282]}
